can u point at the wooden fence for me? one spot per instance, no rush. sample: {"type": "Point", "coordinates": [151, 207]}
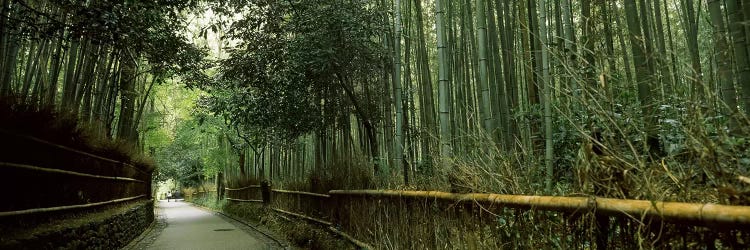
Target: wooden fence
{"type": "Point", "coordinates": [431, 219]}
{"type": "Point", "coordinates": [58, 178]}
{"type": "Point", "coordinates": [203, 194]}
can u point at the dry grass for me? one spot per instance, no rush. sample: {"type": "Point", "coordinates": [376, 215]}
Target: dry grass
{"type": "Point", "coordinates": [300, 233]}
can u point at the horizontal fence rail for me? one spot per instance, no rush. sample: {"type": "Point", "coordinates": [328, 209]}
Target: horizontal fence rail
{"type": "Point", "coordinates": [241, 200]}
{"type": "Point", "coordinates": [351, 239]}
{"type": "Point", "coordinates": [303, 217]}
{"type": "Point", "coordinates": [242, 188]}
{"type": "Point", "coordinates": [300, 193]}
{"type": "Point", "coordinates": [329, 226]}
{"type": "Point", "coordinates": [66, 172]}
{"type": "Point", "coordinates": [709, 214]}
{"type": "Point", "coordinates": [72, 150]}
{"type": "Point", "coordinates": [61, 208]}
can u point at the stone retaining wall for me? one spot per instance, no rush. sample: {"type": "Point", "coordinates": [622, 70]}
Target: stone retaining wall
{"type": "Point", "coordinates": [113, 230]}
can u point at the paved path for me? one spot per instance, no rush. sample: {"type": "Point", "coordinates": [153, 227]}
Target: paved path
{"type": "Point", "coordinates": [182, 226]}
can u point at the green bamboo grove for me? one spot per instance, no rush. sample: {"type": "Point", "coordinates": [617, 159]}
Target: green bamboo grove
{"type": "Point", "coordinates": [404, 90]}
{"type": "Point", "coordinates": [97, 60]}
{"type": "Point", "coordinates": [376, 93]}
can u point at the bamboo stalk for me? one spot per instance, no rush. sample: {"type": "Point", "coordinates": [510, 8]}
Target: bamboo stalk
{"type": "Point", "coordinates": [59, 171]}
{"type": "Point", "coordinates": [242, 188]}
{"type": "Point", "coordinates": [351, 239]}
{"type": "Point", "coordinates": [694, 213]}
{"type": "Point", "coordinates": [241, 200]}
{"type": "Point", "coordinates": [301, 193]}
{"type": "Point", "coordinates": [303, 217]}
{"type": "Point", "coordinates": [60, 208]}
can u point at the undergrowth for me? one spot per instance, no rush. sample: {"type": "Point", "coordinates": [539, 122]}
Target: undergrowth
{"type": "Point", "coordinates": [599, 151]}
{"type": "Point", "coordinates": [300, 233]}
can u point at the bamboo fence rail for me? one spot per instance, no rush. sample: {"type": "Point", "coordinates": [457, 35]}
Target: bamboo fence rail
{"type": "Point", "coordinates": [706, 214]}
{"type": "Point", "coordinates": [242, 188]}
{"type": "Point", "coordinates": [300, 193]}
{"type": "Point", "coordinates": [66, 172]}
{"type": "Point", "coordinates": [326, 223]}
{"type": "Point", "coordinates": [60, 208]}
{"type": "Point", "coordinates": [241, 200]}
{"type": "Point", "coordinates": [330, 227]}
{"type": "Point", "coordinates": [350, 238]}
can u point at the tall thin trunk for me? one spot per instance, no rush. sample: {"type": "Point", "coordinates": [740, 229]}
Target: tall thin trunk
{"type": "Point", "coordinates": [4, 44]}
{"type": "Point", "coordinates": [736, 24]}
{"type": "Point", "coordinates": [666, 72]}
{"type": "Point", "coordinates": [142, 103]}
{"type": "Point", "coordinates": [443, 95]}
{"type": "Point", "coordinates": [31, 65]}
{"type": "Point", "coordinates": [570, 44]}
{"type": "Point", "coordinates": [690, 23]}
{"type": "Point", "coordinates": [532, 87]}
{"type": "Point", "coordinates": [509, 70]}
{"type": "Point", "coordinates": [644, 74]}
{"type": "Point", "coordinates": [625, 58]}
{"type": "Point", "coordinates": [500, 104]}
{"type": "Point", "coordinates": [588, 45]}
{"type": "Point", "coordinates": [548, 153]}
{"type": "Point", "coordinates": [70, 85]}
{"type": "Point", "coordinates": [675, 78]}
{"type": "Point", "coordinates": [127, 100]}
{"type": "Point", "coordinates": [398, 95]}
{"type": "Point", "coordinates": [722, 57]}
{"type": "Point", "coordinates": [427, 106]}
{"type": "Point", "coordinates": [746, 14]}
{"type": "Point", "coordinates": [481, 24]}
{"type": "Point", "coordinates": [56, 65]}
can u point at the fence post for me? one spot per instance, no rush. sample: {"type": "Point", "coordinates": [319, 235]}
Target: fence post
{"type": "Point", "coordinates": [265, 191]}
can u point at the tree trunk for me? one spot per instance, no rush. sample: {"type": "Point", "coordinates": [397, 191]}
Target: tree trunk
{"type": "Point", "coordinates": [548, 153]}
{"type": "Point", "coordinates": [427, 105]}
{"type": "Point", "coordinates": [69, 85]}
{"type": "Point", "coordinates": [127, 100]}
{"type": "Point", "coordinates": [443, 89]}
{"type": "Point", "coordinates": [691, 34]}
{"type": "Point", "coordinates": [722, 57]}
{"type": "Point", "coordinates": [644, 75]}
{"type": "Point", "coordinates": [736, 29]}
{"type": "Point", "coordinates": [398, 158]}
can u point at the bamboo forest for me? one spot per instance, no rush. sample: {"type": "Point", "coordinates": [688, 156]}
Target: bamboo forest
{"type": "Point", "coordinates": [375, 124]}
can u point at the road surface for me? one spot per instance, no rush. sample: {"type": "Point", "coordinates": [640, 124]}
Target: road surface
{"type": "Point", "coordinates": [183, 226]}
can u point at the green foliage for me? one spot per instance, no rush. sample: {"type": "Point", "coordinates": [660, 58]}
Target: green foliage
{"type": "Point", "coordinates": [289, 57]}
{"type": "Point", "coordinates": [184, 140]}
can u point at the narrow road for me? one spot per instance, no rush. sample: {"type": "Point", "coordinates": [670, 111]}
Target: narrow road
{"type": "Point", "coordinates": [183, 226]}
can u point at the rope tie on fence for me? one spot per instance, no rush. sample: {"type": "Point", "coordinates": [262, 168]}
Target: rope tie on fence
{"type": "Point", "coordinates": [591, 204]}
